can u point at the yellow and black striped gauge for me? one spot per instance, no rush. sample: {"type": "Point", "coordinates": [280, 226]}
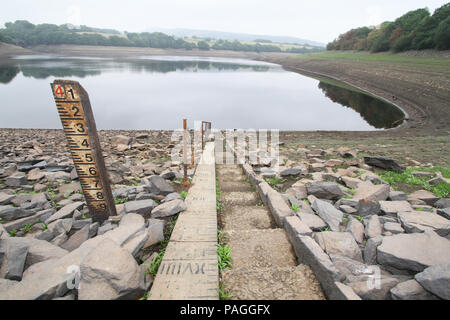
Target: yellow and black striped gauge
{"type": "Point", "coordinates": [77, 119]}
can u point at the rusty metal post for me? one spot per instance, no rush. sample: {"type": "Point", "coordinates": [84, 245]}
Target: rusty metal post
{"type": "Point", "coordinates": [185, 151]}
{"type": "Point", "coordinates": [203, 143]}
{"type": "Point", "coordinates": [193, 153]}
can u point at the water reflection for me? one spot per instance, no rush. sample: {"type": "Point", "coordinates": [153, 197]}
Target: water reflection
{"type": "Point", "coordinates": [7, 74]}
{"type": "Point", "coordinates": [376, 112]}
{"type": "Point", "coordinates": [44, 68]}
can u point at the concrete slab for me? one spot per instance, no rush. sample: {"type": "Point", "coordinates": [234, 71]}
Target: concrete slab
{"type": "Point", "coordinates": [189, 269]}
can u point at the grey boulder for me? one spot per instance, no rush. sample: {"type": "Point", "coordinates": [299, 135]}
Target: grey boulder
{"type": "Point", "coordinates": [375, 289]}
{"type": "Point", "coordinates": [373, 227]}
{"type": "Point", "coordinates": [411, 290]}
{"type": "Point", "coordinates": [159, 186]}
{"type": "Point", "coordinates": [156, 232]}
{"type": "Point", "coordinates": [340, 243]}
{"type": "Point", "coordinates": [38, 250]}
{"type": "Point", "coordinates": [65, 212]}
{"type": "Point", "coordinates": [414, 251]}
{"type": "Point", "coordinates": [8, 213]}
{"type": "Point", "coordinates": [109, 272]}
{"type": "Point", "coordinates": [367, 207]}
{"type": "Point", "coordinates": [6, 198]}
{"type": "Point", "coordinates": [393, 207]}
{"type": "Point", "coordinates": [14, 257]}
{"type": "Point", "coordinates": [384, 163]}
{"type": "Point", "coordinates": [331, 215]}
{"type": "Point", "coordinates": [370, 250]}
{"type": "Point", "coordinates": [169, 208]}
{"type": "Point", "coordinates": [420, 221]}
{"type": "Point", "coordinates": [436, 279]}
{"type": "Point", "coordinates": [379, 192]}
{"type": "Point", "coordinates": [324, 190]}
{"type": "Point", "coordinates": [356, 229]}
{"type": "Point", "coordinates": [140, 206]}
{"type": "Point", "coordinates": [76, 239]}
{"type": "Point", "coordinates": [16, 179]}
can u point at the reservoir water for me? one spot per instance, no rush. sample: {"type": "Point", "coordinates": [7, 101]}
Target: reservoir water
{"type": "Point", "coordinates": [158, 92]}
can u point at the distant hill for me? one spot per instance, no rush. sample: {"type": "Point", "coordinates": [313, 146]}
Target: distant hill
{"type": "Point", "coordinates": [23, 33]}
{"type": "Point", "coordinates": [181, 32]}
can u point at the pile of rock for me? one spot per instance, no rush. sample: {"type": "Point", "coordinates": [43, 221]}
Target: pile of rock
{"type": "Point", "coordinates": [50, 247]}
{"type": "Point", "coordinates": [40, 264]}
{"type": "Point", "coordinates": [361, 238]}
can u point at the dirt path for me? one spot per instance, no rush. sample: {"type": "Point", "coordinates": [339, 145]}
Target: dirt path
{"type": "Point", "coordinates": [264, 264]}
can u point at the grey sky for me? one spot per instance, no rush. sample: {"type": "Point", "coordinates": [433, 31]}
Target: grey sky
{"type": "Point", "coordinates": [319, 20]}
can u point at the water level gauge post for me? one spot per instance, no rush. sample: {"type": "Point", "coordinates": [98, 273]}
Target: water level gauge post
{"type": "Point", "coordinates": [75, 112]}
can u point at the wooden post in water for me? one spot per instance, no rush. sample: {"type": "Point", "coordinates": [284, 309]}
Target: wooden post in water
{"type": "Point", "coordinates": [77, 119]}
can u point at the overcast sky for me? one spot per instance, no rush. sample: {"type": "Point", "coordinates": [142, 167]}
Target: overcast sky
{"type": "Point", "coordinates": [318, 20]}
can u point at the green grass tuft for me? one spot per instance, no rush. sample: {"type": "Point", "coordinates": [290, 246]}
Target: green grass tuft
{"type": "Point", "coordinates": [441, 190]}
{"type": "Point", "coordinates": [153, 269]}
{"type": "Point", "coordinates": [224, 257]}
{"type": "Point", "coordinates": [120, 201]}
{"type": "Point", "coordinates": [223, 293]}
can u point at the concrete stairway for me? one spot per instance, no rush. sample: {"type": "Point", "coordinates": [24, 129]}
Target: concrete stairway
{"type": "Point", "coordinates": [264, 264]}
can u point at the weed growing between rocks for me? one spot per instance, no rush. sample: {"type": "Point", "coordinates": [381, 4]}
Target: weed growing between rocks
{"type": "Point", "coordinates": [224, 257]}
{"type": "Point", "coordinates": [396, 179]}
{"type": "Point", "coordinates": [223, 249]}
{"type": "Point", "coordinates": [167, 233]}
{"type": "Point", "coordinates": [275, 181]}
{"type": "Point", "coordinates": [156, 262]}
{"type": "Point", "coordinates": [219, 204]}
{"type": "Point", "coordinates": [153, 269]}
{"type": "Point", "coordinates": [223, 294]}
{"type": "Point", "coordinates": [120, 201]}
{"type": "Point", "coordinates": [224, 262]}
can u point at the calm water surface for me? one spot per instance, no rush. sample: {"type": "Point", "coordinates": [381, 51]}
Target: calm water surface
{"type": "Point", "coordinates": [158, 92]}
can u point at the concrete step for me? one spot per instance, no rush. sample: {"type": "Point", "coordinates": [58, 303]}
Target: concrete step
{"type": "Point", "coordinates": [232, 177]}
{"type": "Point", "coordinates": [225, 158]}
{"type": "Point", "coordinates": [235, 186]}
{"type": "Point", "coordinates": [228, 171]}
{"type": "Point", "coordinates": [274, 283]}
{"type": "Point", "coordinates": [233, 198]}
{"type": "Point", "coordinates": [260, 248]}
{"type": "Point", "coordinates": [228, 166]}
{"type": "Point", "coordinates": [247, 217]}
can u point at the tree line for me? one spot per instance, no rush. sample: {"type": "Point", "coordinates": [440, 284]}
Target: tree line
{"type": "Point", "coordinates": [25, 34]}
{"type": "Point", "coordinates": [415, 30]}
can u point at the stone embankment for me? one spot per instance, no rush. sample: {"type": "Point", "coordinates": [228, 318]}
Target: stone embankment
{"type": "Point", "coordinates": [360, 237]}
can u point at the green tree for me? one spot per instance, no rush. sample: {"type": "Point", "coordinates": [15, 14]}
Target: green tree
{"type": "Point", "coordinates": [203, 45]}
{"type": "Point", "coordinates": [415, 29]}
{"type": "Point", "coordinates": [442, 38]}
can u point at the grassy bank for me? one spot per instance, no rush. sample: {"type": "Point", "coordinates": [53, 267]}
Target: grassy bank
{"type": "Point", "coordinates": [416, 61]}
